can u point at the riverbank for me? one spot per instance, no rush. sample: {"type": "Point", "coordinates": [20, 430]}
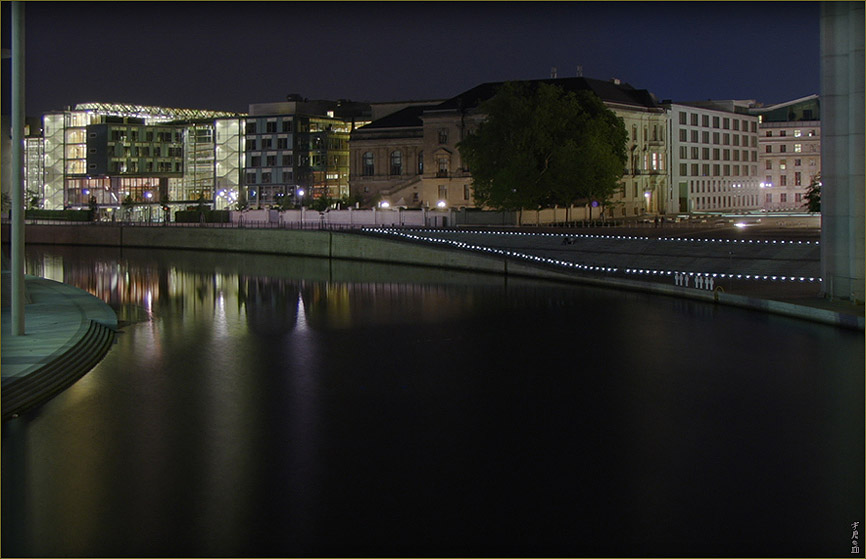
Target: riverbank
{"type": "Point", "coordinates": [791, 298]}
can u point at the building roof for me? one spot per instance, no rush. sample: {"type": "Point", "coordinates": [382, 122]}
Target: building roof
{"type": "Point", "coordinates": [612, 91]}
{"type": "Point", "coordinates": [404, 118]}
{"type": "Point", "coordinates": [804, 108]}
{"type": "Point", "coordinates": [151, 114]}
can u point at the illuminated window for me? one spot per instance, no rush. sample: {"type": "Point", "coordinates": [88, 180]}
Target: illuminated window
{"type": "Point", "coordinates": [798, 148]}
{"type": "Point", "coordinates": [783, 164]}
{"type": "Point", "coordinates": [420, 162]}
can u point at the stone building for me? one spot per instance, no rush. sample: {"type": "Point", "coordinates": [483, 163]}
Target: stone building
{"type": "Point", "coordinates": [411, 159]}
{"type": "Point", "coordinates": [713, 154]}
{"type": "Point", "coordinates": [789, 152]}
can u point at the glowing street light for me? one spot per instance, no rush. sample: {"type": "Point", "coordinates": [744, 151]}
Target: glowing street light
{"type": "Point", "coordinates": [441, 203]}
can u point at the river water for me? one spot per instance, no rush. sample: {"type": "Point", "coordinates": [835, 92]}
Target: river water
{"type": "Point", "coordinates": [272, 406]}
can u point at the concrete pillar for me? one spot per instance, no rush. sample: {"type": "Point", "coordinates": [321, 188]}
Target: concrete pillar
{"type": "Point", "coordinates": [842, 149]}
{"type": "Point", "coordinates": [17, 232]}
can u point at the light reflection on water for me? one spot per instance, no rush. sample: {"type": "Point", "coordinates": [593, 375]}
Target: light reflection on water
{"type": "Point", "coordinates": [259, 405]}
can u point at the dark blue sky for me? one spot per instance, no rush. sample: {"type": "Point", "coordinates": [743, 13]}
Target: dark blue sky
{"type": "Point", "coordinates": [226, 55]}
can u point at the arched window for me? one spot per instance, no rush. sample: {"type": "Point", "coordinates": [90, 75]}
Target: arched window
{"type": "Point", "coordinates": [369, 169]}
{"type": "Point", "coordinates": [397, 162]}
{"type": "Point", "coordinates": [420, 162]}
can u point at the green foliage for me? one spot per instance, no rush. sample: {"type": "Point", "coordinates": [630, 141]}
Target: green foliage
{"type": "Point", "coordinates": [321, 204]}
{"type": "Point", "coordinates": [541, 146]}
{"type": "Point", "coordinates": [813, 194]}
{"type": "Point", "coordinates": [195, 216]}
{"type": "Point", "coordinates": [59, 215]}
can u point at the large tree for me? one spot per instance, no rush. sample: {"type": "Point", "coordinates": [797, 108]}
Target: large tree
{"type": "Point", "coordinates": [540, 146]}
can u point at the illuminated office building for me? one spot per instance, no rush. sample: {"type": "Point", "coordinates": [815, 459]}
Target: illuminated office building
{"type": "Point", "coordinates": [108, 153]}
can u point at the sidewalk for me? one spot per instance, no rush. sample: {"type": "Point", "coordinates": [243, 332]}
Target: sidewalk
{"type": "Point", "coordinates": [67, 331]}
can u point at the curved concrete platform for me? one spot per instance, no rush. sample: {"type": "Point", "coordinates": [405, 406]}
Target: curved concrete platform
{"type": "Point", "coordinates": [67, 332]}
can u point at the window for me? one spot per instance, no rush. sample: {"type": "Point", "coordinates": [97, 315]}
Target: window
{"type": "Point", "coordinates": [705, 137]}
{"type": "Point", "coordinates": [683, 118]}
{"type": "Point", "coordinates": [443, 192]}
{"type": "Point", "coordinates": [397, 162]}
{"type": "Point", "coordinates": [726, 123]}
{"type": "Point", "coordinates": [705, 170]}
{"type": "Point", "coordinates": [783, 148]}
{"type": "Point", "coordinates": [282, 143]}
{"type": "Point", "coordinates": [251, 178]}
{"type": "Point", "coordinates": [769, 165]}
{"type": "Point", "coordinates": [783, 180]}
{"type": "Point", "coordinates": [466, 192]}
{"type": "Point", "coordinates": [797, 162]}
{"type": "Point", "coordinates": [287, 126]}
{"type": "Point", "coordinates": [736, 124]}
{"type": "Point", "coordinates": [250, 144]}
{"type": "Point", "coordinates": [726, 155]}
{"type": "Point", "coordinates": [798, 197]}
{"type": "Point", "coordinates": [266, 178]}
{"type": "Point", "coordinates": [798, 148]}
{"type": "Point", "coordinates": [705, 153]}
{"type": "Point", "coordinates": [783, 164]}
{"type": "Point", "coordinates": [705, 121]}
{"type": "Point", "coordinates": [266, 143]}
{"type": "Point", "coordinates": [443, 167]}
{"type": "Point", "coordinates": [694, 117]}
{"type": "Point", "coordinates": [715, 154]}
{"type": "Point", "coordinates": [783, 197]}
{"type": "Point", "coordinates": [443, 135]}
{"type": "Point", "coordinates": [694, 153]}
{"type": "Point", "coordinates": [798, 133]}
{"type": "Point", "coordinates": [769, 133]}
{"type": "Point", "coordinates": [420, 162]}
{"type": "Point", "coordinates": [715, 122]}
{"type": "Point", "coordinates": [256, 161]}
{"type": "Point", "coordinates": [287, 160]}
{"type": "Point", "coordinates": [783, 133]}
{"type": "Point", "coordinates": [271, 127]}
{"type": "Point", "coordinates": [695, 170]}
{"type": "Point", "coordinates": [684, 135]}
{"type": "Point", "coordinates": [716, 137]}
{"type": "Point", "coordinates": [736, 139]}
{"type": "Point", "coordinates": [250, 128]}
{"type": "Point", "coordinates": [684, 152]}
{"type": "Point", "coordinates": [272, 160]}
{"type": "Point", "coordinates": [798, 179]}
{"type": "Point", "coordinates": [369, 169]}
{"type": "Point", "coordinates": [726, 139]}
{"type": "Point", "coordinates": [716, 170]}
{"type": "Point", "coordinates": [769, 149]}
{"type": "Point", "coordinates": [694, 136]}
{"type": "Point", "coordinates": [684, 169]}
{"type": "Point", "coordinates": [769, 198]}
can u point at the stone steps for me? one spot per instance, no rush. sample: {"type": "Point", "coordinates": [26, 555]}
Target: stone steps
{"type": "Point", "coordinates": [19, 395]}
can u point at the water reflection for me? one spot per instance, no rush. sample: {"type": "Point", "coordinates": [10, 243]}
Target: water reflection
{"type": "Point", "coordinates": [263, 406]}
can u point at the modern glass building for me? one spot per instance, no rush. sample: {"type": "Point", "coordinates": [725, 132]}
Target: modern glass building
{"type": "Point", "coordinates": [110, 153]}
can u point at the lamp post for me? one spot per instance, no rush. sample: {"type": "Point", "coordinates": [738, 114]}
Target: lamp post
{"type": "Point", "coordinates": [17, 232]}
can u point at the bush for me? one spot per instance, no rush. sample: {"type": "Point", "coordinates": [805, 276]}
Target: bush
{"type": "Point", "coordinates": [194, 216]}
{"type": "Point", "coordinates": [59, 215]}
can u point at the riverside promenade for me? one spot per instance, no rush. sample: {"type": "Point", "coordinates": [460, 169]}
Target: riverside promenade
{"type": "Point", "coordinates": [67, 332]}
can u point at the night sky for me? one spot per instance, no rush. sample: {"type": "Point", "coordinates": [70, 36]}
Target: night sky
{"type": "Point", "coordinates": [226, 55]}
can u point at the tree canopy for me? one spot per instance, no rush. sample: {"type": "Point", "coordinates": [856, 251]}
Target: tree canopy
{"type": "Point", "coordinates": [813, 194]}
{"type": "Point", "coordinates": [541, 146]}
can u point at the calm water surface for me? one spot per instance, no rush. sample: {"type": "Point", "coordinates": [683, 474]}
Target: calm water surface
{"type": "Point", "coordinates": [273, 406]}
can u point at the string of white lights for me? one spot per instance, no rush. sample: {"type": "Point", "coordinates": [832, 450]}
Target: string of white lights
{"type": "Point", "coordinates": [616, 237]}
{"type": "Point", "coordinates": [574, 265]}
